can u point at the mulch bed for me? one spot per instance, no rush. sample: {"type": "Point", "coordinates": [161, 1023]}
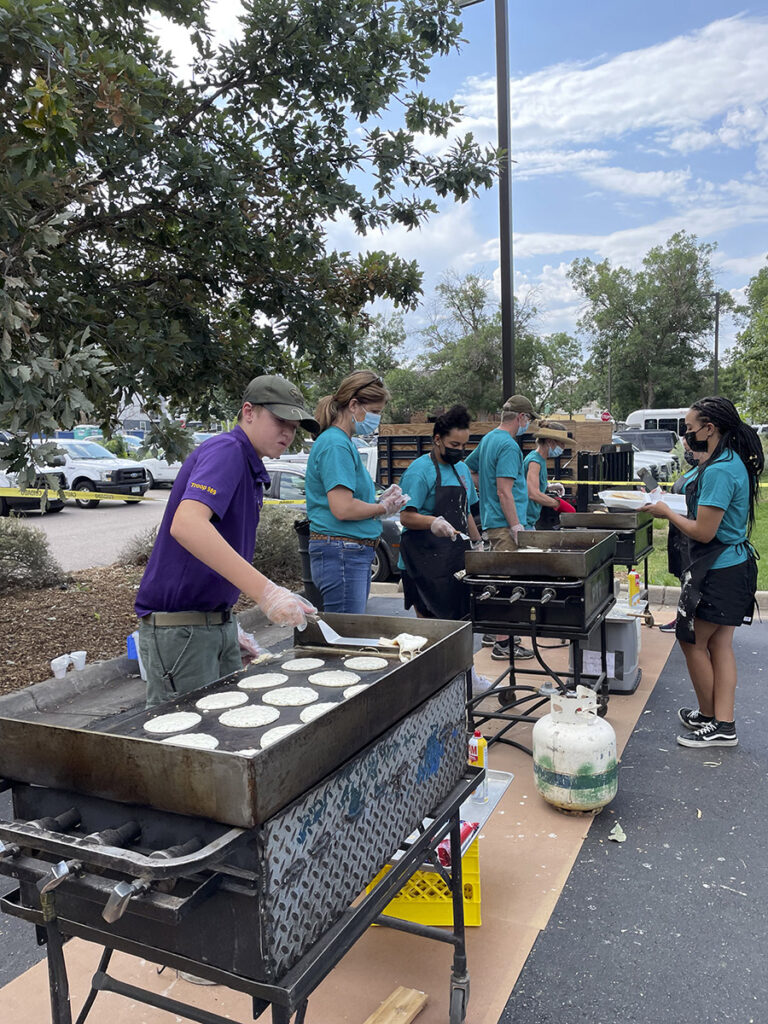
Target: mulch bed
{"type": "Point", "coordinates": [92, 612]}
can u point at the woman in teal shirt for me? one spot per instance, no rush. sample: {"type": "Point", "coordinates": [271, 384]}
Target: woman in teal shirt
{"type": "Point", "coordinates": [440, 493]}
{"type": "Point", "coordinates": [341, 496]}
{"type": "Point", "coordinates": [720, 579]}
{"type": "Point", "coordinates": [550, 438]}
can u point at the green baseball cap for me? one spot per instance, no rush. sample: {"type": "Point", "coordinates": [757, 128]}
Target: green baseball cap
{"type": "Point", "coordinates": [282, 398]}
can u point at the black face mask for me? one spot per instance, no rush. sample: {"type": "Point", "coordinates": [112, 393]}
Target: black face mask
{"type": "Point", "coordinates": [693, 442]}
{"type": "Point", "coordinates": [690, 458]}
{"type": "Point", "coordinates": [453, 455]}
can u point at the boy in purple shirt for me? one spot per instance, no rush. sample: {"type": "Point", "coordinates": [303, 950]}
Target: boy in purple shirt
{"type": "Point", "coordinates": [202, 558]}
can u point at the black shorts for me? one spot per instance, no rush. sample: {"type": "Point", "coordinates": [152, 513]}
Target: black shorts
{"type": "Point", "coordinates": [728, 594]}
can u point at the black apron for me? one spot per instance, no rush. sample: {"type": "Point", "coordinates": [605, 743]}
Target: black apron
{"type": "Point", "coordinates": [701, 559]}
{"type": "Point", "coordinates": [431, 561]}
{"type": "Point", "coordinates": [678, 554]}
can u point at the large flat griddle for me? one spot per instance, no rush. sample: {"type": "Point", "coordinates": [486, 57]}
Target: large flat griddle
{"type": "Point", "coordinates": [117, 760]}
{"type": "Point", "coordinates": [556, 554]}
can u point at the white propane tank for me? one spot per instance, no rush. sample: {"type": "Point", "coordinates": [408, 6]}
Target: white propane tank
{"type": "Point", "coordinates": [574, 754]}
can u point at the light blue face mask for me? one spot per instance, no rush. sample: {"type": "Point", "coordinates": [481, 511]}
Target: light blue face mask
{"type": "Point", "coordinates": [556, 452]}
{"type": "Point", "coordinates": [523, 430]}
{"type": "Point", "coordinates": [369, 424]}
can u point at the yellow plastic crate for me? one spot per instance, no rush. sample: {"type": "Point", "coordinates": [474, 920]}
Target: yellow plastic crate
{"type": "Point", "coordinates": [426, 899]}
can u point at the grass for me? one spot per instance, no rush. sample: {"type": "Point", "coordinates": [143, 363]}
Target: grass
{"type": "Point", "coordinates": [657, 562]}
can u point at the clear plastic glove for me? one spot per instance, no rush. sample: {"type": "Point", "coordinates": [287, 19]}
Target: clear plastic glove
{"type": "Point", "coordinates": [477, 545]}
{"type": "Point", "coordinates": [393, 489]}
{"type": "Point", "coordinates": [393, 502]}
{"type": "Point", "coordinates": [556, 489]}
{"type": "Point", "coordinates": [515, 530]}
{"type": "Point", "coordinates": [442, 528]}
{"type": "Point", "coordinates": [284, 608]}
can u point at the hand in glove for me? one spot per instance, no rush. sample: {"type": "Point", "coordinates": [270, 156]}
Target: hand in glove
{"type": "Point", "coordinates": [557, 489]}
{"type": "Point", "coordinates": [442, 528]}
{"type": "Point", "coordinates": [515, 530]}
{"type": "Point", "coordinates": [284, 608]}
{"type": "Point", "coordinates": [393, 489]}
{"type": "Point", "coordinates": [477, 545]}
{"type": "Point", "coordinates": [393, 502]}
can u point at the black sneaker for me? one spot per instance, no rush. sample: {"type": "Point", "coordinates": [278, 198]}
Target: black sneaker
{"type": "Point", "coordinates": [488, 640]}
{"type": "Point", "coordinates": [713, 734]}
{"type": "Point", "coordinates": [691, 719]}
{"type": "Point", "coordinates": [668, 627]}
{"type": "Point", "coordinates": [500, 652]}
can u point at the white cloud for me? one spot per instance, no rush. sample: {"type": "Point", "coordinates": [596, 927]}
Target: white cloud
{"type": "Point", "coordinates": [652, 184]}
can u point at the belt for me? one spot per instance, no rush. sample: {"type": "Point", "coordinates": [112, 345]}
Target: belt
{"type": "Point", "coordinates": [369, 542]}
{"type": "Point", "coordinates": [187, 618]}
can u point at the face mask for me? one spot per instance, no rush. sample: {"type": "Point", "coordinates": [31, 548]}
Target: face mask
{"type": "Point", "coordinates": [453, 455]}
{"type": "Point", "coordinates": [523, 429]}
{"type": "Point", "coordinates": [690, 458]}
{"type": "Point", "coordinates": [693, 442]}
{"type": "Point", "coordinates": [556, 452]}
{"type": "Point", "coordinates": [369, 424]}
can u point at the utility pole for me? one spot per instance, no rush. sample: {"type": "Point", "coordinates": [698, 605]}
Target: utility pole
{"type": "Point", "coordinates": [717, 342]}
{"type": "Point", "coordinates": [505, 201]}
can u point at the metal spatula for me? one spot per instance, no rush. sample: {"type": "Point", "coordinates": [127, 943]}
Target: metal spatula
{"type": "Point", "coordinates": [332, 637]}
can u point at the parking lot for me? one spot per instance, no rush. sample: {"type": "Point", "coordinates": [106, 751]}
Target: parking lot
{"type": "Point", "coordinates": [84, 537]}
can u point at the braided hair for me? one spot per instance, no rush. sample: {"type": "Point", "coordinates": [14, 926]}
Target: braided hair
{"type": "Point", "coordinates": [736, 437]}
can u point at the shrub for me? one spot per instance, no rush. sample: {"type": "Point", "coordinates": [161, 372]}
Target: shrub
{"type": "Point", "coordinates": [26, 561]}
{"type": "Point", "coordinates": [277, 546]}
{"type": "Point", "coordinates": [139, 547]}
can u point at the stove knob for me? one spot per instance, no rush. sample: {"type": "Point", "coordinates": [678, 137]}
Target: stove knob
{"type": "Point", "coordinates": [58, 873]}
{"type": "Point", "coordinates": [9, 849]}
{"type": "Point", "coordinates": [120, 897]}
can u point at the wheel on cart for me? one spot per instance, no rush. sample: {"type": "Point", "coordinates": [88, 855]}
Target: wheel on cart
{"type": "Point", "coordinates": [507, 695]}
{"type": "Point", "coordinates": [649, 620]}
{"type": "Point", "coordinates": [458, 1006]}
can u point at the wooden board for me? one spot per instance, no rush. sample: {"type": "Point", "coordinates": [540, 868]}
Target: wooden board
{"type": "Point", "coordinates": [400, 1008]}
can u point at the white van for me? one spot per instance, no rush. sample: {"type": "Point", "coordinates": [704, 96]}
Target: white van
{"type": "Point", "coordinates": [658, 419]}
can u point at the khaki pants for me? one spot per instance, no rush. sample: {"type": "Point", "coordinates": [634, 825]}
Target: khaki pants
{"type": "Point", "coordinates": [501, 539]}
{"type": "Point", "coordinates": [191, 655]}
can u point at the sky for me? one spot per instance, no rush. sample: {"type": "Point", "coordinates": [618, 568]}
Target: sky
{"type": "Point", "coordinates": [630, 121]}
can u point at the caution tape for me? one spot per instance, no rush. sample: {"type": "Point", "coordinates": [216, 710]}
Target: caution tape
{"type": "Point", "coordinates": [52, 493]}
{"type": "Point", "coordinates": [618, 483]}
{"type": "Point", "coordinates": [285, 501]}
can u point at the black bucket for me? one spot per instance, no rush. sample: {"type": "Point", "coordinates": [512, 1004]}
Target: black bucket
{"type": "Point", "coordinates": [301, 526]}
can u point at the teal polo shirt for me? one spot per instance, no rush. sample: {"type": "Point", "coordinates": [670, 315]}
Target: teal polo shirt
{"type": "Point", "coordinates": [534, 509]}
{"type": "Point", "coordinates": [498, 454]}
{"type": "Point", "coordinates": [334, 461]}
{"type": "Point", "coordinates": [725, 485]}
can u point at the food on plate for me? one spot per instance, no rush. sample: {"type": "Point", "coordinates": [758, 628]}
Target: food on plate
{"type": "Point", "coordinates": [198, 740]}
{"type": "Point", "coordinates": [262, 680]}
{"type": "Point", "coordinates": [290, 696]}
{"type": "Point", "coordinates": [365, 664]}
{"type": "Point", "coordinates": [274, 735]}
{"type": "Point", "coordinates": [302, 664]}
{"type": "Point", "coordinates": [219, 701]}
{"type": "Point", "coordinates": [176, 721]}
{"type": "Point", "coordinates": [314, 711]}
{"type": "Point", "coordinates": [334, 677]}
{"type": "Point", "coordinates": [352, 690]}
{"type": "Point", "coordinates": [251, 717]}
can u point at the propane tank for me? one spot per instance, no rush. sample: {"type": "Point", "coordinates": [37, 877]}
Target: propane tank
{"type": "Point", "coordinates": [574, 753]}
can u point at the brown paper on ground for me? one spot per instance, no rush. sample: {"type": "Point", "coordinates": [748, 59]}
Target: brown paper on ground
{"type": "Point", "coordinates": [527, 850]}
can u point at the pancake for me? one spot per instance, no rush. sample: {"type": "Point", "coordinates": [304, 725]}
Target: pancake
{"type": "Point", "coordinates": [262, 680]}
{"type": "Point", "coordinates": [176, 721]}
{"type": "Point", "coordinates": [290, 696]}
{"type": "Point", "coordinates": [220, 701]}
{"type": "Point", "coordinates": [275, 735]}
{"type": "Point", "coordinates": [251, 717]}
{"type": "Point", "coordinates": [366, 664]}
{"type": "Point", "coordinates": [198, 740]}
{"type": "Point", "coordinates": [335, 678]}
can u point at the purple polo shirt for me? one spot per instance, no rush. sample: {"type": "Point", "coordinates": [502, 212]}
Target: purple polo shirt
{"type": "Point", "coordinates": [227, 475]}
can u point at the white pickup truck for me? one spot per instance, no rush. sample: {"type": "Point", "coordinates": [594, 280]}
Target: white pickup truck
{"type": "Point", "coordinates": [89, 467]}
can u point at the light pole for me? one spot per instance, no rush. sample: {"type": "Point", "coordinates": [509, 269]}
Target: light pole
{"type": "Point", "coordinates": [504, 129]}
{"type": "Point", "coordinates": [716, 388]}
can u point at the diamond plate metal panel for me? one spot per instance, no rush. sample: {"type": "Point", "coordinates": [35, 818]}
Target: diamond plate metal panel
{"type": "Point", "coordinates": [324, 849]}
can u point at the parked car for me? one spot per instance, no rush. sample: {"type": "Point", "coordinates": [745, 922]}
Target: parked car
{"type": "Point", "coordinates": [90, 467]}
{"type": "Point", "coordinates": [158, 470]}
{"type": "Point", "coordinates": [287, 484]}
{"type": "Point", "coordinates": [650, 440]}
{"type": "Point", "coordinates": [661, 465]}
{"type": "Point", "coordinates": [31, 503]}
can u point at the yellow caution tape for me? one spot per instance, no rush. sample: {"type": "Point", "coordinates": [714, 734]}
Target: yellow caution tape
{"type": "Point", "coordinates": [37, 492]}
{"type": "Point", "coordinates": [284, 501]}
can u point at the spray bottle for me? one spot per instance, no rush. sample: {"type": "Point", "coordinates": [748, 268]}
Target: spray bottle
{"type": "Point", "coordinates": [478, 755]}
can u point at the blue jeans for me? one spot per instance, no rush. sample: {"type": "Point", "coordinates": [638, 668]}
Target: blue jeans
{"type": "Point", "coordinates": [341, 571]}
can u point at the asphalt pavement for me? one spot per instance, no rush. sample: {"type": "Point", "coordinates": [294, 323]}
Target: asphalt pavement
{"type": "Point", "coordinates": [669, 926]}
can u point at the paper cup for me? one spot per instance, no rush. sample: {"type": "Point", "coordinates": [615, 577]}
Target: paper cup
{"type": "Point", "coordinates": [78, 660]}
{"type": "Point", "coordinates": [60, 665]}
